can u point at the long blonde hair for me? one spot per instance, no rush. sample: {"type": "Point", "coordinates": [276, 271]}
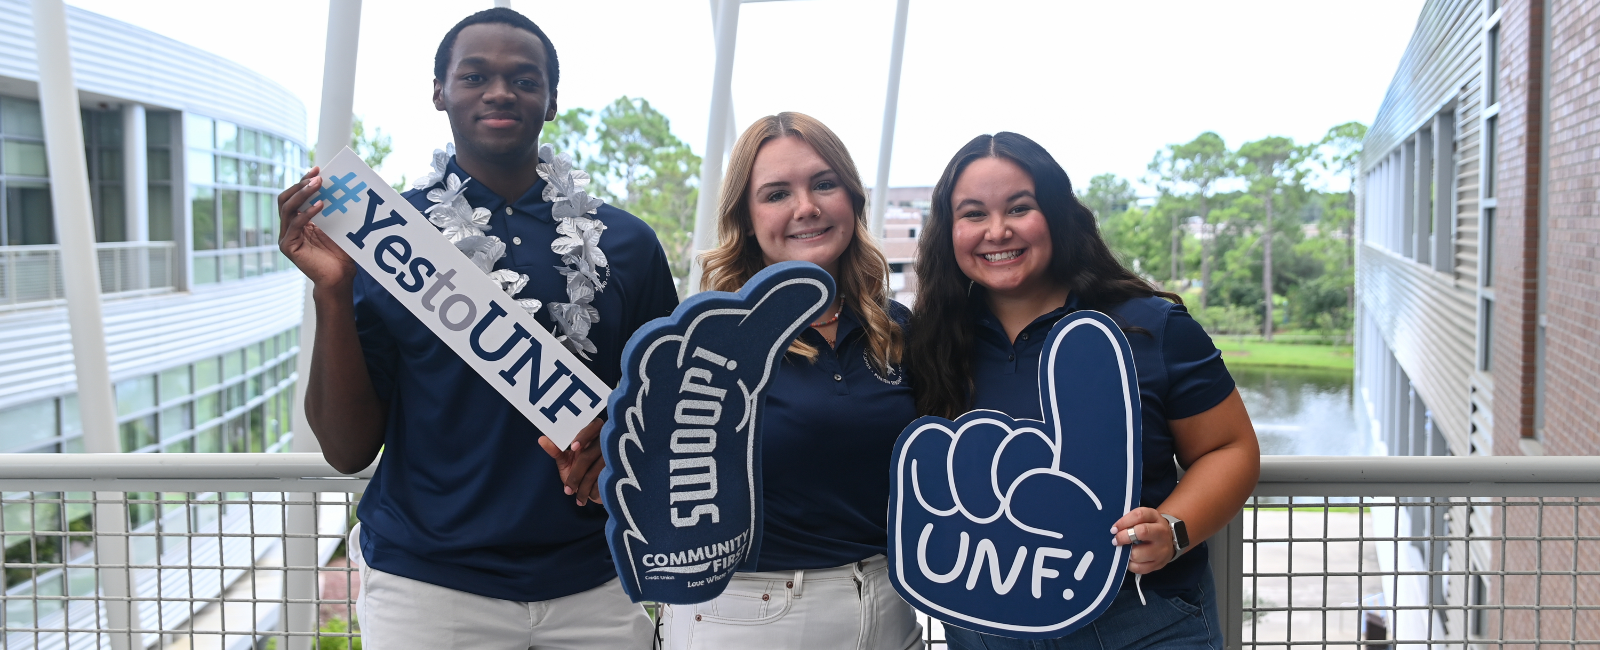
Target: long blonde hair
{"type": "Point", "coordinates": [863, 271]}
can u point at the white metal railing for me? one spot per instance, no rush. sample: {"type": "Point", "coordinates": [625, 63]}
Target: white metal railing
{"type": "Point", "coordinates": [31, 275]}
{"type": "Point", "coordinates": [234, 550]}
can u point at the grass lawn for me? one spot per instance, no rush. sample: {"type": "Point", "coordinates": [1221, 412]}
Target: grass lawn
{"type": "Point", "coordinates": [1296, 355]}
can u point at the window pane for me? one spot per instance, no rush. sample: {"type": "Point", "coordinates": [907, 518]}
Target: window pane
{"type": "Point", "coordinates": [208, 441]}
{"type": "Point", "coordinates": [269, 218]}
{"type": "Point", "coordinates": [71, 421]}
{"type": "Point", "coordinates": [207, 373]}
{"type": "Point", "coordinates": [237, 432]}
{"type": "Point", "coordinates": [25, 159]}
{"type": "Point", "coordinates": [227, 170]}
{"type": "Point", "coordinates": [160, 212]}
{"type": "Point", "coordinates": [247, 141]}
{"type": "Point", "coordinates": [110, 167]}
{"type": "Point", "coordinates": [23, 427]}
{"type": "Point", "coordinates": [175, 421]}
{"type": "Point", "coordinates": [136, 394]}
{"type": "Point", "coordinates": [205, 221]}
{"type": "Point", "coordinates": [230, 267]}
{"type": "Point", "coordinates": [207, 408]}
{"type": "Point", "coordinates": [158, 128]}
{"type": "Point", "coordinates": [158, 164]}
{"type": "Point", "coordinates": [1490, 130]}
{"type": "Point", "coordinates": [29, 217]}
{"type": "Point", "coordinates": [248, 220]}
{"type": "Point", "coordinates": [138, 434]}
{"type": "Point", "coordinates": [232, 365]}
{"type": "Point", "coordinates": [175, 383]}
{"type": "Point", "coordinates": [21, 117]}
{"type": "Point", "coordinates": [227, 136]}
{"type": "Point", "coordinates": [258, 429]}
{"type": "Point", "coordinates": [110, 220]}
{"type": "Point", "coordinates": [184, 446]}
{"type": "Point", "coordinates": [197, 132]}
{"type": "Point", "coordinates": [202, 168]}
{"type": "Point", "coordinates": [205, 270]}
{"type": "Point", "coordinates": [228, 223]}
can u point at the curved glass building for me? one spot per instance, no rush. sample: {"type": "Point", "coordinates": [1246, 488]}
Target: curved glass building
{"type": "Point", "coordinates": [186, 152]}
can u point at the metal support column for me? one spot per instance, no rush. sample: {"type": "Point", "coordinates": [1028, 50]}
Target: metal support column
{"type": "Point", "coordinates": [891, 105]}
{"type": "Point", "coordinates": [1226, 551]}
{"type": "Point", "coordinates": [705, 220]}
{"type": "Point", "coordinates": [80, 273]}
{"type": "Point", "coordinates": [136, 189]}
{"type": "Point", "coordinates": [300, 514]}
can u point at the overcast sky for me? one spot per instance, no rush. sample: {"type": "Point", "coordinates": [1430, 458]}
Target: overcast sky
{"type": "Point", "coordinates": [1102, 85]}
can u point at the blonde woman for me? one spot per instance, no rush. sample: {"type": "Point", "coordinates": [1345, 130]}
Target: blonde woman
{"type": "Point", "coordinates": [835, 408]}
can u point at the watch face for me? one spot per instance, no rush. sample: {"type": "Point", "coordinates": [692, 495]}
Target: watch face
{"type": "Point", "coordinates": [1182, 532]}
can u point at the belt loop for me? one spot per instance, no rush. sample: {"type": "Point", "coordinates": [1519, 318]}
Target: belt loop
{"type": "Point", "coordinates": [799, 581]}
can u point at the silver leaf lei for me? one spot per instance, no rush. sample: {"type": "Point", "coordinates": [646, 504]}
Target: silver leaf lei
{"type": "Point", "coordinates": [578, 243]}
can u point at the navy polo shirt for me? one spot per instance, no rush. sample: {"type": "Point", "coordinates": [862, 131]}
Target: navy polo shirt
{"type": "Point", "coordinates": [464, 497]}
{"type": "Point", "coordinates": [1181, 374]}
{"type": "Point", "coordinates": [827, 435]}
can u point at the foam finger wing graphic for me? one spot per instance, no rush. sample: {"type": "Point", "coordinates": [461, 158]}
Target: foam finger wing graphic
{"type": "Point", "coordinates": [682, 480]}
{"type": "Point", "coordinates": [1002, 525]}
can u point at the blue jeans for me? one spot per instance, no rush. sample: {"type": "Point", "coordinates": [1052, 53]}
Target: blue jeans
{"type": "Point", "coordinates": [1189, 622]}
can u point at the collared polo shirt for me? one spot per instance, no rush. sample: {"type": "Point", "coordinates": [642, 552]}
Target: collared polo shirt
{"type": "Point", "coordinates": [1180, 374]}
{"type": "Point", "coordinates": [827, 435]}
{"type": "Point", "coordinates": [464, 497]}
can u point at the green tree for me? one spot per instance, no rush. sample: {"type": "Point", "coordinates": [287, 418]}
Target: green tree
{"type": "Point", "coordinates": [373, 148]}
{"type": "Point", "coordinates": [1108, 195]}
{"type": "Point", "coordinates": [1197, 165]}
{"type": "Point", "coordinates": [570, 133]}
{"type": "Point", "coordinates": [1269, 164]}
{"type": "Point", "coordinates": [639, 165]}
{"type": "Point", "coordinates": [1339, 152]}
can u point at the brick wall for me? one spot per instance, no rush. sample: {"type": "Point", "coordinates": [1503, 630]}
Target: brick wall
{"type": "Point", "coordinates": [1572, 272]}
{"type": "Point", "coordinates": [1517, 229]}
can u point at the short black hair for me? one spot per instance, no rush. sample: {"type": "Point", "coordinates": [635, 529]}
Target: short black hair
{"type": "Point", "coordinates": [502, 15]}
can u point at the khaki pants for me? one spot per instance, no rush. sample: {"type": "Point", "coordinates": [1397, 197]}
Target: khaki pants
{"type": "Point", "coordinates": [841, 608]}
{"type": "Point", "coordinates": [398, 613]}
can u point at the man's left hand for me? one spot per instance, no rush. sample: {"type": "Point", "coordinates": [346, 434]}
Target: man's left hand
{"type": "Point", "coordinates": [581, 463]}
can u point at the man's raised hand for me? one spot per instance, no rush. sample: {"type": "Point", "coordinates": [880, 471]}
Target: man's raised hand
{"type": "Point", "coordinates": [306, 245]}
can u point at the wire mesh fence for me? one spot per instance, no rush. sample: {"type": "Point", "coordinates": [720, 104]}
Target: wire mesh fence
{"type": "Point", "coordinates": [246, 551]}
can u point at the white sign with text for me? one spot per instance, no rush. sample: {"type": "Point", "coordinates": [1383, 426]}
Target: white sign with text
{"type": "Point", "coordinates": [408, 256]}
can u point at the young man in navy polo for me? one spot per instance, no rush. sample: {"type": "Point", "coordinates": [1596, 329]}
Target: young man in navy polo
{"type": "Point", "coordinates": [468, 535]}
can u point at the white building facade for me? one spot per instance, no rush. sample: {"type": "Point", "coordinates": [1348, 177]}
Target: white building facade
{"type": "Point", "coordinates": [186, 152]}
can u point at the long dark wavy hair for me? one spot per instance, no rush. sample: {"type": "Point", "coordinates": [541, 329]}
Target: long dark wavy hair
{"type": "Point", "coordinates": [942, 325]}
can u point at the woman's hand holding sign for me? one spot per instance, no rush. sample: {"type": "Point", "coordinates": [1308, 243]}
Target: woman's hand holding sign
{"type": "Point", "coordinates": [998, 524]}
{"type": "Point", "coordinates": [1151, 537]}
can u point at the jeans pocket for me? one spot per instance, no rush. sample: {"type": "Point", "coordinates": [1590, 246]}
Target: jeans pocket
{"type": "Point", "coordinates": [1184, 606]}
{"type": "Point", "coordinates": [742, 605]}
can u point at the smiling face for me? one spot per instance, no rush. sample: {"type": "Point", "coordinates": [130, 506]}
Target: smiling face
{"type": "Point", "coordinates": [798, 208]}
{"type": "Point", "coordinates": [1001, 238]}
{"type": "Point", "coordinates": [496, 93]}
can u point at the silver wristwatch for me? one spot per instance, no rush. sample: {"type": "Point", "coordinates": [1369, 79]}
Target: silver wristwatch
{"type": "Point", "coordinates": [1180, 535]}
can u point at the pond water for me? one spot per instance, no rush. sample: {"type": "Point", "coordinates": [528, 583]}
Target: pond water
{"type": "Point", "coordinates": [1302, 411]}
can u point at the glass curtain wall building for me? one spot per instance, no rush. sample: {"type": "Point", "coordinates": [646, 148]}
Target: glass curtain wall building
{"type": "Point", "coordinates": [186, 152]}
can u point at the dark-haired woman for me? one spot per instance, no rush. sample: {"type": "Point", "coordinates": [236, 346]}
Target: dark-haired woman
{"type": "Point", "coordinates": [1007, 251]}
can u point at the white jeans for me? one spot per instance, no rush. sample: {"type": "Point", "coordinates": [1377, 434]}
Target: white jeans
{"type": "Point", "coordinates": [852, 606]}
{"type": "Point", "coordinates": [398, 613]}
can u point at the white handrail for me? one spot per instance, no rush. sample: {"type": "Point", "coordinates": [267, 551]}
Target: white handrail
{"type": "Point", "coordinates": [176, 473]}
{"type": "Point", "coordinates": [1280, 475]}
